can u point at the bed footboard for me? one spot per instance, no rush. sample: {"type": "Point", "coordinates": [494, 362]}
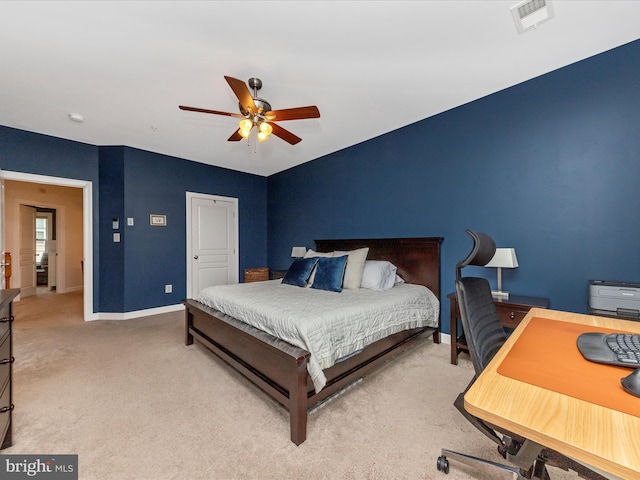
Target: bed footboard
{"type": "Point", "coordinates": [275, 366]}
{"type": "Point", "coordinates": [279, 368]}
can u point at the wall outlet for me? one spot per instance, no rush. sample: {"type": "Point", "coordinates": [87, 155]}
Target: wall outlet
{"type": "Point", "coordinates": [168, 288]}
{"type": "Point", "coordinates": [130, 221]}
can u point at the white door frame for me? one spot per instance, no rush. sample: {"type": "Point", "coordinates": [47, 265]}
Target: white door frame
{"type": "Point", "coordinates": [87, 225]}
{"type": "Point", "coordinates": [236, 260]}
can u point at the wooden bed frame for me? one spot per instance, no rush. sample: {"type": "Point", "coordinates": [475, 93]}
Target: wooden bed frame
{"type": "Point", "coordinates": [280, 369]}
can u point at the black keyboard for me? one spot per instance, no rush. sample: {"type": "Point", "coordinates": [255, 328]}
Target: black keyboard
{"type": "Point", "coordinates": [621, 349]}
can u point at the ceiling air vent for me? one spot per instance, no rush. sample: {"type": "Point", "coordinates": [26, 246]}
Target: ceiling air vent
{"type": "Point", "coordinates": [531, 13]}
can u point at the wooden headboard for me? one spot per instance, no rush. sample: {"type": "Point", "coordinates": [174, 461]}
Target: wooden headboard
{"type": "Point", "coordinates": [417, 259]}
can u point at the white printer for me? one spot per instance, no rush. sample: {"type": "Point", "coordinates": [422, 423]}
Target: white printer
{"type": "Point", "coordinates": [614, 299]}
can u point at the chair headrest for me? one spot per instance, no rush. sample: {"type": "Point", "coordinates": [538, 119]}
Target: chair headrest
{"type": "Point", "coordinates": [484, 248]}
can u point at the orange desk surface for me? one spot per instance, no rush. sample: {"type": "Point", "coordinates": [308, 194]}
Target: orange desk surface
{"type": "Point", "coordinates": [542, 400]}
{"type": "Point", "coordinates": [546, 355]}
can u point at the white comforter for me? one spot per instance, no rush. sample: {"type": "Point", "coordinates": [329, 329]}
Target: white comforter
{"type": "Point", "coordinates": [328, 325]}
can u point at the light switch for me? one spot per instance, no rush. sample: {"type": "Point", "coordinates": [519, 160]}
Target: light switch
{"type": "Point", "coordinates": [116, 224]}
{"type": "Point", "coordinates": [116, 237]}
{"type": "Point", "coordinates": [130, 221]}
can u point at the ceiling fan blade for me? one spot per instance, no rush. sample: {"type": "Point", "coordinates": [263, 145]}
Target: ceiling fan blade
{"type": "Point", "coordinates": [242, 92]}
{"type": "Point", "coordinates": [298, 113]}
{"type": "Point", "coordinates": [285, 135]}
{"type": "Point", "coordinates": [236, 137]}
{"type": "Point", "coordinates": [204, 110]}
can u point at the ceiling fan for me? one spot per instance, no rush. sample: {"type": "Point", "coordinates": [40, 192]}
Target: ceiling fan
{"type": "Point", "coordinates": [256, 112]}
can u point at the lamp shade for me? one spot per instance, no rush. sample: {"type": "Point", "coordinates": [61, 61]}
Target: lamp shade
{"type": "Point", "coordinates": [504, 257]}
{"type": "Point", "coordinates": [298, 252]}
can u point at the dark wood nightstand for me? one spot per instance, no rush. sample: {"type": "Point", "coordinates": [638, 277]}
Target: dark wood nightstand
{"type": "Point", "coordinates": [511, 311]}
{"type": "Point", "coordinates": [260, 274]}
{"type": "Point", "coordinates": [276, 274]}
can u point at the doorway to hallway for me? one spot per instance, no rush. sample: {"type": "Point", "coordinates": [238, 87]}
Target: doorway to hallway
{"type": "Point", "coordinates": [74, 229]}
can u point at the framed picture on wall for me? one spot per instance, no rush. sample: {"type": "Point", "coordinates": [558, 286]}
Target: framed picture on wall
{"type": "Point", "coordinates": [158, 220]}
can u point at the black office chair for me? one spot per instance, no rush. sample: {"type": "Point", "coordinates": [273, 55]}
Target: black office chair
{"type": "Point", "coordinates": [485, 335]}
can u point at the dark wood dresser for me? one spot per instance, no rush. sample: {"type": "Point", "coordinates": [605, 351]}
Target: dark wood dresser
{"type": "Point", "coordinates": [6, 364]}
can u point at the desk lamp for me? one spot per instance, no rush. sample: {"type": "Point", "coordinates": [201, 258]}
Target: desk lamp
{"type": "Point", "coordinates": [503, 258]}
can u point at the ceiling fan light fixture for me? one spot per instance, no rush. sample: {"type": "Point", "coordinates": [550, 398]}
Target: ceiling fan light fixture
{"type": "Point", "coordinates": [257, 112]}
{"type": "Point", "coordinates": [266, 128]}
{"type": "Point", "coordinates": [245, 125]}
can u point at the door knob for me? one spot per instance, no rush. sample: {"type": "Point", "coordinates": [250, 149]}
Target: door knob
{"type": "Point", "coordinates": [195, 257]}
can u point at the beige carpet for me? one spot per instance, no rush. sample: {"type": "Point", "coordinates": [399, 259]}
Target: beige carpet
{"type": "Point", "coordinates": [135, 403]}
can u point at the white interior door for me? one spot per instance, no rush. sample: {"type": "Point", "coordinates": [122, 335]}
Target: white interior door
{"type": "Point", "coordinates": [212, 248]}
{"type": "Point", "coordinates": [27, 251]}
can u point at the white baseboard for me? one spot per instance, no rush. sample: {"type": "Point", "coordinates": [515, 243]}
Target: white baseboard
{"type": "Point", "coordinates": [136, 314]}
{"type": "Point", "coordinates": [445, 338]}
{"type": "Point", "coordinates": [73, 289]}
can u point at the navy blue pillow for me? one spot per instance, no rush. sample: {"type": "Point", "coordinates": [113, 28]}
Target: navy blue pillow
{"type": "Point", "coordinates": [299, 271]}
{"type": "Point", "coordinates": [330, 273]}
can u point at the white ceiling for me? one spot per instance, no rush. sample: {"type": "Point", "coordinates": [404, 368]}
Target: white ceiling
{"type": "Point", "coordinates": [370, 66]}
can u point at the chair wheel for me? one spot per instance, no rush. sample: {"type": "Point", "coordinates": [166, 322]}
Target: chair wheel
{"type": "Point", "coordinates": [443, 464]}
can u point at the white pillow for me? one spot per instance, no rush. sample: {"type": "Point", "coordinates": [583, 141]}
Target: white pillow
{"type": "Point", "coordinates": [355, 267]}
{"type": "Point", "coordinates": [312, 253]}
{"type": "Point", "coordinates": [378, 275]}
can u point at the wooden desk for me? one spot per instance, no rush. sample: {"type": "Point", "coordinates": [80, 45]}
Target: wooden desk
{"type": "Point", "coordinates": [511, 311]}
{"type": "Point", "coordinates": [600, 437]}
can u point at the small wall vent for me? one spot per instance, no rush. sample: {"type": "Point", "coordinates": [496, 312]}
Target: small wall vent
{"type": "Point", "coordinates": [531, 13]}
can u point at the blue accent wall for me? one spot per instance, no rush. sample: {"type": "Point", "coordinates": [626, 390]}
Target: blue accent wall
{"type": "Point", "coordinates": [156, 256]}
{"type": "Point", "coordinates": [110, 207]}
{"type": "Point", "coordinates": [130, 275]}
{"type": "Point", "coordinates": [28, 152]}
{"type": "Point", "coordinates": [550, 167]}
